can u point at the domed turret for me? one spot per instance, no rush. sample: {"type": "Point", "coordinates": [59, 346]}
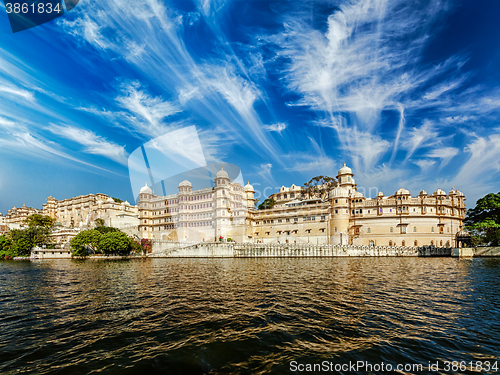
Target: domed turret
{"type": "Point", "coordinates": [185, 183]}
{"type": "Point", "coordinates": [345, 170]}
{"type": "Point", "coordinates": [222, 173]}
{"type": "Point", "coordinates": [146, 190]}
{"type": "Point", "coordinates": [249, 187]}
{"type": "Point", "coordinates": [402, 191]}
{"type": "Point", "coordinates": [345, 177]}
{"type": "Point", "coordinates": [439, 192]}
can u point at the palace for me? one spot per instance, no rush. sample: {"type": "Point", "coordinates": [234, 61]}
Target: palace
{"type": "Point", "coordinates": [80, 212]}
{"type": "Point", "coordinates": [341, 216]}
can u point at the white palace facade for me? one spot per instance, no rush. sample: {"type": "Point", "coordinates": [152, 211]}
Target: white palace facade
{"type": "Point", "coordinates": [343, 216]}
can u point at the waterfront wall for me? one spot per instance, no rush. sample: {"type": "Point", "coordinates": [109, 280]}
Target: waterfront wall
{"type": "Point", "coordinates": [176, 249]}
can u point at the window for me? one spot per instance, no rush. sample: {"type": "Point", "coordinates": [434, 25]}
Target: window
{"type": "Point", "coordinates": [287, 220]}
{"type": "Point", "coordinates": [390, 230]}
{"type": "Point", "coordinates": [432, 229]}
{"type": "Point", "coordinates": [336, 211]}
{"type": "Point", "coordinates": [322, 218]}
{"type": "Point", "coordinates": [284, 196]}
{"type": "Point", "coordinates": [279, 196]}
{"type": "Point", "coordinates": [441, 243]}
{"type": "Point", "coordinates": [336, 201]}
{"type": "Point", "coordinates": [295, 219]}
{"type": "Point", "coordinates": [292, 195]}
{"type": "Point", "coordinates": [414, 229]}
{"type": "Point", "coordinates": [322, 230]}
{"type": "Point", "coordinates": [415, 243]}
{"type": "Point", "coordinates": [403, 243]}
{"type": "Point", "coordinates": [368, 230]}
{"type": "Point", "coordinates": [432, 243]}
{"type": "Point", "coordinates": [390, 243]}
{"type": "Point", "coordinates": [304, 218]}
{"type": "Point", "coordinates": [335, 230]}
{"type": "Point", "coordinates": [403, 229]}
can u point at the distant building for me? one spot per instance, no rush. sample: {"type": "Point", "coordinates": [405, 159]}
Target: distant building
{"type": "Point", "coordinates": [342, 216]}
{"type": "Point", "coordinates": [3, 224]}
{"type": "Point", "coordinates": [16, 216]}
{"type": "Point", "coordinates": [82, 211]}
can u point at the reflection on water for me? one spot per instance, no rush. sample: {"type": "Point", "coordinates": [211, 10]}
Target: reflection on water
{"type": "Point", "coordinates": [244, 315]}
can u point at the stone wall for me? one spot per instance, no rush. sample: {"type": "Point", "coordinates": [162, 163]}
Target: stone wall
{"type": "Point", "coordinates": [244, 250]}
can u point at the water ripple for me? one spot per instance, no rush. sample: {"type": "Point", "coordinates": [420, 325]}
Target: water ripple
{"type": "Point", "coordinates": [250, 316]}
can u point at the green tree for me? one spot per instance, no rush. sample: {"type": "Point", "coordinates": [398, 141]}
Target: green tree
{"type": "Point", "coordinates": [37, 220]}
{"type": "Point", "coordinates": [103, 230]}
{"type": "Point", "coordinates": [88, 239]}
{"type": "Point", "coordinates": [24, 240]}
{"type": "Point", "coordinates": [267, 204]}
{"type": "Point", "coordinates": [99, 222]}
{"type": "Point", "coordinates": [5, 248]}
{"type": "Point", "coordinates": [115, 242]}
{"type": "Point", "coordinates": [483, 221]}
{"type": "Point", "coordinates": [117, 200]}
{"type": "Point", "coordinates": [319, 187]}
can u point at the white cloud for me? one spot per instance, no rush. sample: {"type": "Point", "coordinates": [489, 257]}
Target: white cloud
{"type": "Point", "coordinates": [148, 111]}
{"type": "Point", "coordinates": [424, 136]}
{"type": "Point", "coordinates": [17, 91]}
{"type": "Point", "coordinates": [93, 143]}
{"type": "Point", "coordinates": [424, 164]}
{"type": "Point", "coordinates": [443, 153]}
{"type": "Point", "coordinates": [278, 127]}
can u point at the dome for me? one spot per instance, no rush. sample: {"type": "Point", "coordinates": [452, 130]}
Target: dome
{"type": "Point", "coordinates": [458, 192]}
{"type": "Point", "coordinates": [380, 194]}
{"type": "Point", "coordinates": [222, 173]}
{"type": "Point", "coordinates": [423, 192]}
{"type": "Point", "coordinates": [185, 183]}
{"type": "Point", "coordinates": [249, 187]}
{"type": "Point", "coordinates": [146, 190]}
{"type": "Point", "coordinates": [345, 170]}
{"type": "Point", "coordinates": [463, 233]}
{"type": "Point", "coordinates": [126, 203]}
{"type": "Point", "coordinates": [357, 194]}
{"type": "Point", "coordinates": [439, 192]}
{"type": "Point", "coordinates": [110, 200]}
{"type": "Point", "coordinates": [402, 191]}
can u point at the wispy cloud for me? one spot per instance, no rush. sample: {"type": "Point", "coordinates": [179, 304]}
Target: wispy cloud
{"type": "Point", "coordinates": [278, 127]}
{"type": "Point", "coordinates": [93, 143]}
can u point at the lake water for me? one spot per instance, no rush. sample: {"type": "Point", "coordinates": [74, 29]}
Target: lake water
{"type": "Point", "coordinates": [249, 316]}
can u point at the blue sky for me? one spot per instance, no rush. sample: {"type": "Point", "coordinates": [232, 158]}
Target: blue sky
{"type": "Point", "coordinates": [406, 94]}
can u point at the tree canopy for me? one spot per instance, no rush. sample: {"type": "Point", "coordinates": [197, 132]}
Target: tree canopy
{"type": "Point", "coordinates": [483, 221]}
{"type": "Point", "coordinates": [319, 186]}
{"type": "Point", "coordinates": [267, 204]}
{"type": "Point", "coordinates": [107, 242]}
{"type": "Point", "coordinates": [37, 220]}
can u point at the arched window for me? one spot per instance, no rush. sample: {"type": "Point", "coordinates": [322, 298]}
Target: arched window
{"type": "Point", "coordinates": [415, 243]}
{"type": "Point", "coordinates": [414, 229]}
{"type": "Point", "coordinates": [441, 243]}
{"type": "Point", "coordinates": [403, 243]}
{"type": "Point", "coordinates": [432, 243]}
{"type": "Point", "coordinates": [390, 242]}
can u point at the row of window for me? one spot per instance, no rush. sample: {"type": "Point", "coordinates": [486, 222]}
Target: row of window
{"type": "Point", "coordinates": [287, 220]}
{"type": "Point", "coordinates": [292, 195]}
{"type": "Point", "coordinates": [196, 197]}
{"type": "Point", "coordinates": [415, 243]}
{"type": "Point", "coordinates": [288, 232]}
